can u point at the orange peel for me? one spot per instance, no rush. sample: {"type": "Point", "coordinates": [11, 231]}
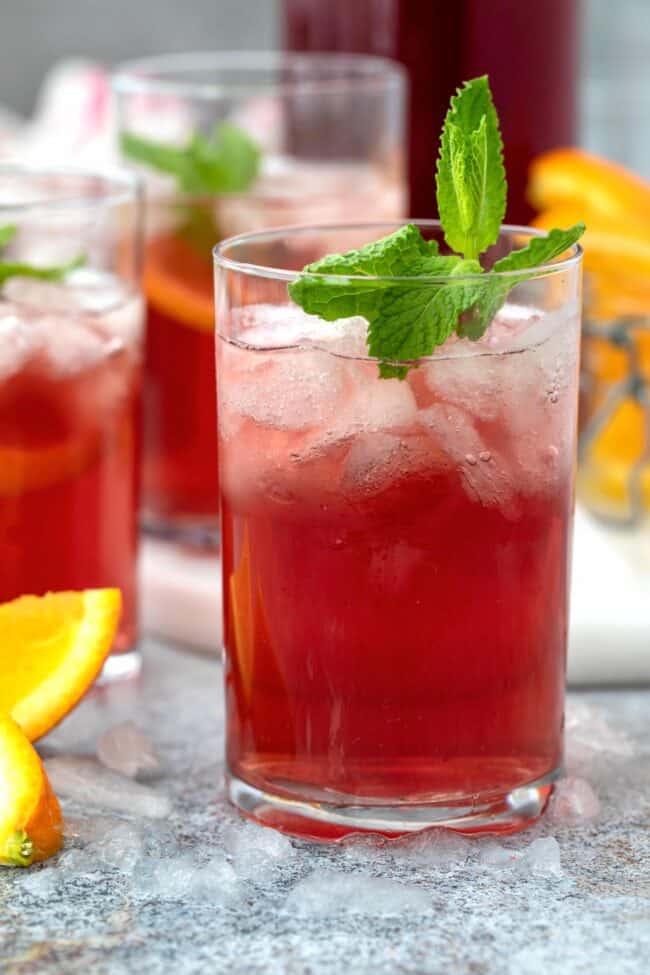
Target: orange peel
{"type": "Point", "coordinates": [177, 281]}
{"type": "Point", "coordinates": [51, 650]}
{"type": "Point", "coordinates": [31, 825]}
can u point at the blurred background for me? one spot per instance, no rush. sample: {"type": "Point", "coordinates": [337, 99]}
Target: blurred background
{"type": "Point", "coordinates": [614, 89]}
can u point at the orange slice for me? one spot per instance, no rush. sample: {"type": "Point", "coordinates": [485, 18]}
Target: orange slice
{"type": "Point", "coordinates": [31, 827]}
{"type": "Point", "coordinates": [178, 282]}
{"type": "Point", "coordinates": [51, 650]}
{"type": "Point", "coordinates": [23, 470]}
{"type": "Point", "coordinates": [589, 183]}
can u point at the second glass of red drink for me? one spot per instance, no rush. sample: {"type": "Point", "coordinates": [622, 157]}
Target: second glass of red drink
{"type": "Point", "coordinates": [230, 142]}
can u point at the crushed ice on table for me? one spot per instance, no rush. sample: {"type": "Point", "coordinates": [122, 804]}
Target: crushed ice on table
{"type": "Point", "coordinates": [181, 877]}
{"type": "Point", "coordinates": [541, 859]}
{"type": "Point", "coordinates": [589, 737]}
{"type": "Point", "coordinates": [87, 782]}
{"type": "Point", "coordinates": [492, 855]}
{"type": "Point", "coordinates": [573, 803]}
{"type": "Point", "coordinates": [433, 848]}
{"type": "Point", "coordinates": [125, 749]}
{"type": "Point", "coordinates": [326, 892]}
{"type": "Point", "coordinates": [255, 850]}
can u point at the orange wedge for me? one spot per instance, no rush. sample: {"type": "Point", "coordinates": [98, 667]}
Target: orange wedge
{"type": "Point", "coordinates": [51, 650]}
{"type": "Point", "coordinates": [22, 469]}
{"type": "Point", "coordinates": [590, 185]}
{"type": "Point", "coordinates": [31, 827]}
{"type": "Point", "coordinates": [178, 282]}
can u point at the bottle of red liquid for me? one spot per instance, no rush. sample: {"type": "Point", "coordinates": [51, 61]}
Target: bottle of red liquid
{"type": "Point", "coordinates": [530, 52]}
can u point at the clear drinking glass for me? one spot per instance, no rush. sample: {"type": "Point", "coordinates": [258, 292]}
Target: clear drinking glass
{"type": "Point", "coordinates": [70, 379]}
{"type": "Point", "coordinates": [395, 553]}
{"type": "Point", "coordinates": [329, 130]}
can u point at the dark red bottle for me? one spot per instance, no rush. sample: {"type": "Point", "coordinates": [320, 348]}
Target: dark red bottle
{"type": "Point", "coordinates": [530, 52]}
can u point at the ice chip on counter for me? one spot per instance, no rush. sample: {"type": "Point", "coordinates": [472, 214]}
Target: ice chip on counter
{"type": "Point", "coordinates": [325, 892]}
{"type": "Point", "coordinates": [541, 859]}
{"type": "Point", "coordinates": [492, 855]}
{"type": "Point", "coordinates": [125, 749]}
{"type": "Point", "coordinates": [573, 803]}
{"type": "Point", "coordinates": [255, 850]}
{"type": "Point", "coordinates": [86, 781]}
{"type": "Point", "coordinates": [434, 848]}
{"type": "Point", "coordinates": [121, 846]}
{"type": "Point", "coordinates": [181, 878]}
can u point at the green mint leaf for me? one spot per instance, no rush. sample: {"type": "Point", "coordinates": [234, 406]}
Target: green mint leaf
{"type": "Point", "coordinates": [339, 291]}
{"type": "Point", "coordinates": [7, 232]}
{"type": "Point", "coordinates": [415, 318]}
{"type": "Point", "coordinates": [492, 291]}
{"type": "Point", "coordinates": [541, 250]}
{"type": "Point", "coordinates": [9, 269]}
{"type": "Point", "coordinates": [227, 161]}
{"type": "Point", "coordinates": [407, 319]}
{"type": "Point", "coordinates": [470, 178]}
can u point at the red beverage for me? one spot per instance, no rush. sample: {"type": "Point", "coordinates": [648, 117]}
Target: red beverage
{"type": "Point", "coordinates": [69, 403]}
{"type": "Point", "coordinates": [395, 559]}
{"type": "Point", "coordinates": [329, 135]}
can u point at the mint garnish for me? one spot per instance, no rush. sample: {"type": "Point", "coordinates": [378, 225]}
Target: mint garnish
{"type": "Point", "coordinates": [227, 161]}
{"type": "Point", "coordinates": [407, 319]}
{"type": "Point", "coordinates": [18, 269]}
{"type": "Point", "coordinates": [470, 178]}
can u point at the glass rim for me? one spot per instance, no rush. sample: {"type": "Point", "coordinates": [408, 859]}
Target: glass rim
{"type": "Point", "coordinates": [221, 260]}
{"type": "Point", "coordinates": [122, 186]}
{"type": "Point", "coordinates": [155, 74]}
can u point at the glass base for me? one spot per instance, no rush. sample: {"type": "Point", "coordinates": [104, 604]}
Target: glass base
{"type": "Point", "coordinates": [509, 813]}
{"type": "Point", "coordinates": [120, 666]}
{"type": "Point", "coordinates": [197, 533]}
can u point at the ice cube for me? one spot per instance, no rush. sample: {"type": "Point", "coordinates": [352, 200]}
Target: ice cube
{"type": "Point", "coordinates": [125, 749]}
{"type": "Point", "coordinates": [17, 341]}
{"type": "Point", "coordinates": [573, 803]}
{"type": "Point", "coordinates": [492, 854]}
{"type": "Point", "coordinates": [434, 848]}
{"type": "Point", "coordinates": [542, 858]}
{"type": "Point", "coordinates": [325, 892]}
{"type": "Point", "coordinates": [121, 846]}
{"type": "Point", "coordinates": [376, 404]}
{"type": "Point", "coordinates": [87, 782]}
{"type": "Point", "coordinates": [181, 878]}
{"type": "Point", "coordinates": [167, 879]}
{"type": "Point", "coordinates": [79, 863]}
{"type": "Point", "coordinates": [482, 468]}
{"type": "Point", "coordinates": [373, 460]}
{"type": "Point", "coordinates": [287, 390]}
{"type": "Point", "coordinates": [589, 737]}
{"type": "Point", "coordinates": [83, 290]}
{"type": "Point", "coordinates": [255, 849]}
{"type": "Point", "coordinates": [214, 881]}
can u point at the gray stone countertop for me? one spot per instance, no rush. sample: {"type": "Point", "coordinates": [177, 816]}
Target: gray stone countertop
{"type": "Point", "coordinates": [190, 887]}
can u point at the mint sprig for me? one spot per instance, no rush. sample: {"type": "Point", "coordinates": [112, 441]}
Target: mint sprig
{"type": "Point", "coordinates": [226, 161]}
{"type": "Point", "coordinates": [470, 177]}
{"type": "Point", "coordinates": [437, 294]}
{"type": "Point", "coordinates": [19, 269]}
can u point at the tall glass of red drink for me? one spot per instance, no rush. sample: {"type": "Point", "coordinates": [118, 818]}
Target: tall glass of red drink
{"type": "Point", "coordinates": [70, 368]}
{"type": "Point", "coordinates": [395, 553]}
{"type": "Point", "coordinates": [327, 131]}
